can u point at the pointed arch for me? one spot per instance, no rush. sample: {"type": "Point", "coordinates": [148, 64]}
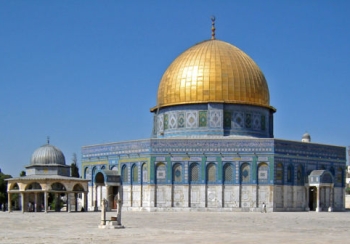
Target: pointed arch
{"type": "Point", "coordinates": [279, 177]}
{"type": "Point", "coordinates": [194, 173]}
{"type": "Point", "coordinates": [125, 174]}
{"type": "Point", "coordinates": [161, 173]}
{"type": "Point", "coordinates": [300, 175]}
{"type": "Point", "coordinates": [228, 173]}
{"type": "Point", "coordinates": [177, 173]}
{"type": "Point", "coordinates": [245, 172]}
{"type": "Point", "coordinates": [263, 173]}
{"type": "Point", "coordinates": [33, 186]}
{"type": "Point", "coordinates": [134, 174]}
{"type": "Point", "coordinates": [289, 173]}
{"type": "Point", "coordinates": [211, 173]}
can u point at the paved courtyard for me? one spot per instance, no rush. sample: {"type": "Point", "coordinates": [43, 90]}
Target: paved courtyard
{"type": "Point", "coordinates": [177, 227]}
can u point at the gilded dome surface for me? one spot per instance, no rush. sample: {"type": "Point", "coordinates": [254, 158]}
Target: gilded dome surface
{"type": "Point", "coordinates": [47, 154]}
{"type": "Point", "coordinates": [213, 71]}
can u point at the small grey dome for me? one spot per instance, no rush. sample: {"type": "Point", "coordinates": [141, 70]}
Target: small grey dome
{"type": "Point", "coordinates": [306, 137]}
{"type": "Point", "coordinates": [47, 154]}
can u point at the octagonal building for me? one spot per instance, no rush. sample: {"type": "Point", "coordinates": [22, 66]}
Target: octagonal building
{"type": "Point", "coordinates": [212, 146]}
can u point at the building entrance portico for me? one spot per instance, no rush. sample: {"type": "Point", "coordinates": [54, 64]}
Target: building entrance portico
{"type": "Point", "coordinates": [107, 185]}
{"type": "Point", "coordinates": [320, 189]}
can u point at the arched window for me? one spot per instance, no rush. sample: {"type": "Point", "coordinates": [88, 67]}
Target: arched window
{"type": "Point", "coordinates": [14, 187]}
{"type": "Point", "coordinates": [289, 174]}
{"type": "Point", "coordinates": [339, 175]}
{"type": "Point", "coordinates": [135, 173]}
{"type": "Point", "coordinates": [115, 168]}
{"type": "Point", "coordinates": [78, 187]}
{"type": "Point", "coordinates": [263, 173]}
{"type": "Point", "coordinates": [125, 174]}
{"type": "Point", "coordinates": [34, 186]}
{"type": "Point", "coordinates": [194, 173]}
{"type": "Point", "coordinates": [144, 173]}
{"type": "Point", "coordinates": [279, 173]}
{"type": "Point", "coordinates": [161, 173]}
{"type": "Point", "coordinates": [58, 186]}
{"type": "Point", "coordinates": [211, 173]}
{"type": "Point", "coordinates": [93, 172]}
{"type": "Point", "coordinates": [87, 173]}
{"type": "Point", "coordinates": [228, 173]}
{"type": "Point", "coordinates": [300, 175]}
{"type": "Point", "coordinates": [177, 173]}
{"type": "Point", "coordinates": [245, 173]}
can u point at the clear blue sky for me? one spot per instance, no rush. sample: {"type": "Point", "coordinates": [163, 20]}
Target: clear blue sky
{"type": "Point", "coordinates": [87, 72]}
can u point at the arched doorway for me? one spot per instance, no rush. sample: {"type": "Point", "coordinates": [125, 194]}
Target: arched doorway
{"type": "Point", "coordinates": [108, 184]}
{"type": "Point", "coordinates": [58, 197]}
{"type": "Point", "coordinates": [34, 197]}
{"type": "Point", "coordinates": [312, 198]}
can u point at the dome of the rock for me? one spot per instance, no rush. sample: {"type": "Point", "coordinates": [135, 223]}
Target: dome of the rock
{"type": "Point", "coordinates": [213, 71]}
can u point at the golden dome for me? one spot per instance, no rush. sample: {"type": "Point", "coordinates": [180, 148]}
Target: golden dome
{"type": "Point", "coordinates": [213, 71]}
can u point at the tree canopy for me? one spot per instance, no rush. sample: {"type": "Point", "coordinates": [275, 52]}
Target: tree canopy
{"type": "Point", "coordinates": [74, 170]}
{"type": "Point", "coordinates": [3, 187]}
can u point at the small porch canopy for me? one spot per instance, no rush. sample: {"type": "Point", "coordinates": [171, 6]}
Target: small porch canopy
{"type": "Point", "coordinates": [112, 181]}
{"type": "Point", "coordinates": [323, 182]}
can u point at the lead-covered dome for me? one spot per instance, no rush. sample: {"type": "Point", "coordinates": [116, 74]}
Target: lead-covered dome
{"type": "Point", "coordinates": [213, 71]}
{"type": "Point", "coordinates": [47, 155]}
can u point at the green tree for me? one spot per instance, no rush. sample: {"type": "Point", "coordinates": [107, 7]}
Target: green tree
{"type": "Point", "coordinates": [3, 187]}
{"type": "Point", "coordinates": [74, 170]}
{"type": "Point", "coordinates": [23, 173]}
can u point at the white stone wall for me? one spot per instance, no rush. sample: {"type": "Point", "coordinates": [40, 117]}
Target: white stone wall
{"type": "Point", "coordinates": [220, 197]}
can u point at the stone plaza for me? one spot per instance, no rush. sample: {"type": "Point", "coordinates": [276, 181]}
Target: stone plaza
{"type": "Point", "coordinates": [177, 227]}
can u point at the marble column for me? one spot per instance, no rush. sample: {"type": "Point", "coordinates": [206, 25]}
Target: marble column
{"type": "Point", "coordinates": [120, 204]}
{"type": "Point", "coordinates": [318, 193]}
{"type": "Point", "coordinates": [76, 201]}
{"type": "Point", "coordinates": [86, 201]}
{"type": "Point", "coordinates": [46, 201]}
{"type": "Point", "coordinates": [109, 198]}
{"type": "Point", "coordinates": [35, 202]}
{"type": "Point", "coordinates": [9, 207]}
{"type": "Point", "coordinates": [22, 202]}
{"type": "Point", "coordinates": [68, 203]}
{"type": "Point", "coordinates": [96, 206]}
{"type": "Point", "coordinates": [330, 208]}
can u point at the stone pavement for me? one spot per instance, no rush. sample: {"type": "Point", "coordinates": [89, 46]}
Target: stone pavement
{"type": "Point", "coordinates": [177, 227]}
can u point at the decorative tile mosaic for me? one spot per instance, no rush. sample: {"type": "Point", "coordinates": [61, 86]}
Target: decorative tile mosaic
{"type": "Point", "coordinates": [215, 118]}
{"type": "Point", "coordinates": [181, 119]}
{"type": "Point", "coordinates": [166, 122]}
{"type": "Point", "coordinates": [202, 118]}
{"type": "Point", "coordinates": [256, 121]}
{"type": "Point", "coordinates": [248, 120]}
{"type": "Point", "coordinates": [160, 122]}
{"type": "Point", "coordinates": [172, 120]}
{"type": "Point", "coordinates": [238, 120]}
{"type": "Point", "coordinates": [191, 119]}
